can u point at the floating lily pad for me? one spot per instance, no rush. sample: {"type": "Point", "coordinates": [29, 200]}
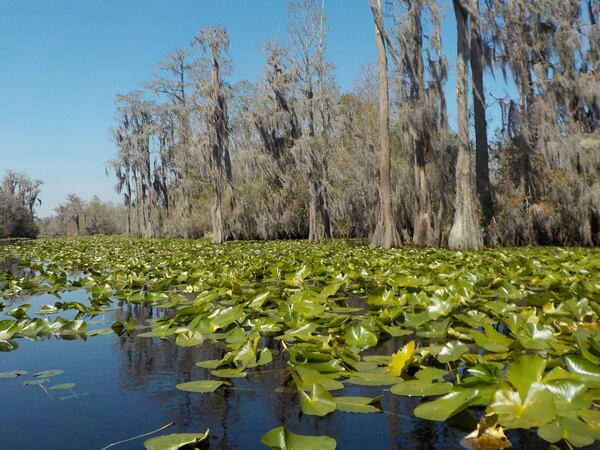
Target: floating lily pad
{"type": "Point", "coordinates": [229, 373]}
{"type": "Point", "coordinates": [318, 403]}
{"type": "Point", "coordinates": [201, 386]}
{"type": "Point", "coordinates": [420, 388]}
{"type": "Point", "coordinates": [357, 404]}
{"type": "Point", "coordinates": [175, 441]}
{"type": "Point", "coordinates": [281, 439]}
{"type": "Point", "coordinates": [61, 387]}
{"type": "Point", "coordinates": [48, 373]}
{"type": "Point", "coordinates": [447, 406]}
{"type": "Point", "coordinates": [13, 374]}
{"type": "Point", "coordinates": [99, 332]}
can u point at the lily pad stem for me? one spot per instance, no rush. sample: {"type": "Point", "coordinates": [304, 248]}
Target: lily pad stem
{"type": "Point", "coordinates": [164, 427]}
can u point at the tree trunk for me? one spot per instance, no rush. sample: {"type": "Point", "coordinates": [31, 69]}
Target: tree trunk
{"type": "Point", "coordinates": [319, 225]}
{"type": "Point", "coordinates": [385, 235]}
{"type": "Point", "coordinates": [482, 171]}
{"type": "Point", "coordinates": [128, 205]}
{"type": "Point", "coordinates": [128, 220]}
{"type": "Point", "coordinates": [423, 231]}
{"type": "Point", "coordinates": [218, 227]}
{"type": "Point", "coordinates": [464, 233]}
{"type": "Point", "coordinates": [423, 235]}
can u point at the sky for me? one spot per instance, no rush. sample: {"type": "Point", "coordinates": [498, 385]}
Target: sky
{"type": "Point", "coordinates": [63, 61]}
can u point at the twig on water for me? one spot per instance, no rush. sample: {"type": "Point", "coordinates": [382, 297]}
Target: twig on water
{"type": "Point", "coordinates": [164, 427]}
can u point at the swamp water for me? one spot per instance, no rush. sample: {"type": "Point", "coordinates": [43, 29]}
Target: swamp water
{"type": "Point", "coordinates": [125, 387]}
{"type": "Point", "coordinates": [104, 360]}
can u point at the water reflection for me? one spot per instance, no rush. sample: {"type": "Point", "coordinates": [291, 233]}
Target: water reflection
{"type": "Point", "coordinates": [127, 387]}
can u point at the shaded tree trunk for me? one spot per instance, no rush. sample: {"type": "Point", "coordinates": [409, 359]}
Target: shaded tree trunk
{"type": "Point", "coordinates": [218, 225]}
{"type": "Point", "coordinates": [385, 235]}
{"type": "Point", "coordinates": [319, 220]}
{"type": "Point", "coordinates": [482, 171]}
{"type": "Point", "coordinates": [423, 231]}
{"type": "Point", "coordinates": [464, 233]}
{"type": "Point", "coordinates": [423, 235]}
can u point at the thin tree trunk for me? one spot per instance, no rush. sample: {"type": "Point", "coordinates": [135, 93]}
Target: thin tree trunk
{"type": "Point", "coordinates": [385, 235]}
{"type": "Point", "coordinates": [482, 171]}
{"type": "Point", "coordinates": [128, 220]}
{"type": "Point", "coordinates": [128, 204]}
{"type": "Point", "coordinates": [464, 233]}
{"type": "Point", "coordinates": [218, 227]}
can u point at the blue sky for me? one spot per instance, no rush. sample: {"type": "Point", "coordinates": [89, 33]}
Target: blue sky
{"type": "Point", "coordinates": [64, 60]}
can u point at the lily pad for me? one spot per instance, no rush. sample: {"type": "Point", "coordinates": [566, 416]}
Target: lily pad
{"type": "Point", "coordinates": [48, 373]}
{"type": "Point", "coordinates": [357, 404]}
{"type": "Point", "coordinates": [447, 406]}
{"type": "Point", "coordinates": [13, 374]}
{"type": "Point", "coordinates": [61, 387]}
{"type": "Point", "coordinates": [281, 439]}
{"type": "Point", "coordinates": [534, 410]}
{"type": "Point", "coordinates": [452, 351]}
{"type": "Point", "coordinates": [318, 403]}
{"type": "Point", "coordinates": [175, 441]}
{"type": "Point", "coordinates": [420, 388]}
{"type": "Point", "coordinates": [228, 373]}
{"type": "Point", "coordinates": [201, 386]}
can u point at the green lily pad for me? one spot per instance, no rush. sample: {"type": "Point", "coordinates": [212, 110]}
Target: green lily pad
{"type": "Point", "coordinates": [13, 374]}
{"type": "Point", "coordinates": [585, 370]}
{"type": "Point", "coordinates": [357, 404]}
{"type": "Point", "coordinates": [452, 351]}
{"type": "Point", "coordinates": [308, 377]}
{"type": "Point", "coordinates": [571, 429]}
{"type": "Point", "coordinates": [372, 379]}
{"type": "Point", "coordinates": [189, 338]}
{"type": "Point", "coordinates": [61, 387]}
{"type": "Point", "coordinates": [524, 371]}
{"type": "Point", "coordinates": [201, 386]}
{"type": "Point", "coordinates": [420, 388]}
{"type": "Point", "coordinates": [447, 406]}
{"type": "Point", "coordinates": [281, 439]}
{"type": "Point", "coordinates": [319, 403]}
{"type": "Point", "coordinates": [492, 340]}
{"type": "Point", "coordinates": [210, 363]}
{"type": "Point", "coordinates": [36, 382]}
{"type": "Point", "coordinates": [175, 441]}
{"type": "Point", "coordinates": [534, 410]}
{"type": "Point", "coordinates": [48, 373]}
{"type": "Point", "coordinates": [228, 373]}
{"type": "Point", "coordinates": [99, 332]}
{"type": "Point", "coordinates": [360, 338]}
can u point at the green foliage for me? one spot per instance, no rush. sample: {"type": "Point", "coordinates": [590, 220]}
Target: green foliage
{"type": "Point", "coordinates": [281, 439]}
{"type": "Point", "coordinates": [513, 331]}
{"type": "Point", "coordinates": [175, 441]}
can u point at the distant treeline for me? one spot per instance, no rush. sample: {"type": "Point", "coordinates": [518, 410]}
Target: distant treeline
{"type": "Point", "coordinates": [292, 156]}
{"type": "Point", "coordinates": [76, 217]}
{"type": "Point", "coordinates": [19, 196]}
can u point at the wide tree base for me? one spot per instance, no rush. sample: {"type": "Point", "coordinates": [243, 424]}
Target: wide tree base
{"type": "Point", "coordinates": [423, 235]}
{"type": "Point", "coordinates": [465, 233]}
{"type": "Point", "coordinates": [385, 237]}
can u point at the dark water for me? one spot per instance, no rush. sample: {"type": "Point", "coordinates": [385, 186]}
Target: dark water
{"type": "Point", "coordinates": [125, 386]}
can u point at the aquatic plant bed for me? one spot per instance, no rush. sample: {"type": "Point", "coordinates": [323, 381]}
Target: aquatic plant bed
{"type": "Point", "coordinates": [184, 343]}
